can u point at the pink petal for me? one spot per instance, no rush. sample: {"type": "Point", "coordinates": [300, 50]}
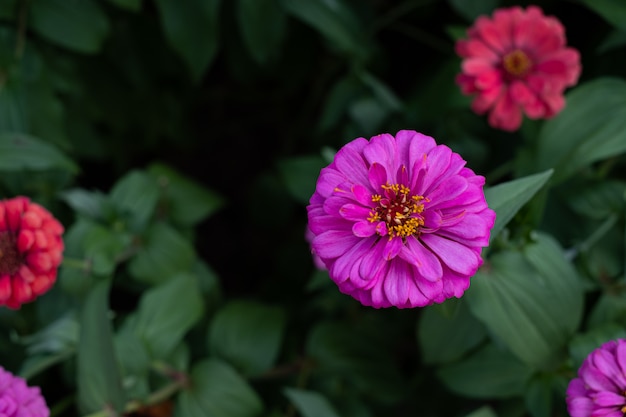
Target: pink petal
{"type": "Point", "coordinates": [425, 262]}
{"type": "Point", "coordinates": [334, 243]}
{"type": "Point", "coordinates": [377, 176]}
{"type": "Point", "coordinates": [456, 256]}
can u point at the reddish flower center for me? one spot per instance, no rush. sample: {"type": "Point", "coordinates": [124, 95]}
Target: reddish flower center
{"type": "Point", "coordinates": [517, 63]}
{"type": "Point", "coordinates": [10, 259]}
{"type": "Point", "coordinates": [399, 209]}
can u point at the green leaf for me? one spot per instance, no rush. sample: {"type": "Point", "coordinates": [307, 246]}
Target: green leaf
{"type": "Point", "coordinates": [186, 201]}
{"type": "Point", "coordinates": [600, 199]}
{"type": "Point", "coordinates": [471, 9]}
{"type": "Point", "coordinates": [98, 380]}
{"type": "Point", "coordinates": [167, 312]}
{"type": "Point", "coordinates": [592, 127]}
{"type": "Point", "coordinates": [445, 339]}
{"type": "Point", "coordinates": [134, 359]}
{"type": "Point", "coordinates": [87, 203]}
{"type": "Point", "coordinates": [300, 175]}
{"type": "Point", "coordinates": [614, 40]}
{"type": "Point", "coordinates": [163, 254]}
{"type": "Point", "coordinates": [338, 101]}
{"type": "Point", "coordinates": [485, 411]}
{"type": "Point", "coordinates": [609, 308]}
{"type": "Point", "coordinates": [135, 195]}
{"type": "Point", "coordinates": [131, 5]}
{"type": "Point", "coordinates": [217, 390]}
{"type": "Point", "coordinates": [488, 373]}
{"type": "Point", "coordinates": [359, 355]}
{"type": "Point", "coordinates": [613, 11]}
{"type": "Point", "coordinates": [60, 335]}
{"type": "Point", "coordinates": [248, 335]}
{"type": "Point", "coordinates": [263, 27]}
{"type": "Point", "coordinates": [310, 403]}
{"type": "Point", "coordinates": [583, 344]}
{"type": "Point", "coordinates": [79, 25]}
{"type": "Point", "coordinates": [191, 28]}
{"type": "Point", "coordinates": [8, 9]}
{"type": "Point", "coordinates": [334, 20]}
{"type": "Point", "coordinates": [507, 198]}
{"type": "Point", "coordinates": [538, 396]}
{"type": "Point", "coordinates": [23, 152]}
{"type": "Point", "coordinates": [103, 248]}
{"type": "Point", "coordinates": [531, 300]}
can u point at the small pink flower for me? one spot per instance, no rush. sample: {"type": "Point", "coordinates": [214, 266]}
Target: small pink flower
{"type": "Point", "coordinates": [600, 389]}
{"type": "Point", "coordinates": [517, 61]}
{"type": "Point", "coordinates": [399, 221]}
{"type": "Point", "coordinates": [31, 250]}
{"type": "Point", "coordinates": [18, 399]}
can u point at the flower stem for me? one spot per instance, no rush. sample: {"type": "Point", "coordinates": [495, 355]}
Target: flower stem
{"type": "Point", "coordinates": [598, 234]}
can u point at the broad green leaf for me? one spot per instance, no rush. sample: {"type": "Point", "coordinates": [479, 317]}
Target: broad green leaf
{"type": "Point", "coordinates": [98, 380]}
{"type": "Point", "coordinates": [51, 345]}
{"type": "Point", "coordinates": [488, 373]}
{"type": "Point", "coordinates": [368, 113]}
{"type": "Point", "coordinates": [310, 403]}
{"type": "Point", "coordinates": [600, 199]}
{"type": "Point", "coordinates": [135, 195]}
{"type": "Point", "coordinates": [186, 201]}
{"type": "Point", "coordinates": [359, 355]}
{"type": "Point", "coordinates": [531, 300]}
{"type": "Point", "coordinates": [300, 175]}
{"type": "Point", "coordinates": [79, 25]}
{"type": "Point", "coordinates": [131, 5]}
{"type": "Point", "coordinates": [191, 28]}
{"type": "Point", "coordinates": [167, 312]}
{"type": "Point", "coordinates": [538, 396]}
{"type": "Point", "coordinates": [485, 411]}
{"type": "Point", "coordinates": [217, 390]}
{"type": "Point", "coordinates": [163, 254]}
{"type": "Point", "coordinates": [385, 96]}
{"type": "Point", "coordinates": [334, 20]}
{"type": "Point", "coordinates": [471, 9]}
{"type": "Point", "coordinates": [445, 339]}
{"type": "Point", "coordinates": [263, 27]}
{"type": "Point", "coordinates": [103, 247]}
{"type": "Point", "coordinates": [583, 344]}
{"type": "Point", "coordinates": [613, 11]}
{"type": "Point", "coordinates": [248, 335]}
{"type": "Point", "coordinates": [507, 198]}
{"type": "Point", "coordinates": [592, 127]}
{"type": "Point", "coordinates": [134, 359]}
{"type": "Point", "coordinates": [23, 152]}
{"type": "Point", "coordinates": [87, 203]}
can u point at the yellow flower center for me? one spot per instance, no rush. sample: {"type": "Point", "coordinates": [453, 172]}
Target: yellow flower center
{"type": "Point", "coordinates": [516, 63]}
{"type": "Point", "coordinates": [399, 210]}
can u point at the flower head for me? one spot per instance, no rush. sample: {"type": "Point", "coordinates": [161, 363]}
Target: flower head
{"type": "Point", "coordinates": [18, 399]}
{"type": "Point", "coordinates": [517, 61]}
{"type": "Point", "coordinates": [30, 251]}
{"type": "Point", "coordinates": [399, 221]}
{"type": "Point", "coordinates": [600, 389]}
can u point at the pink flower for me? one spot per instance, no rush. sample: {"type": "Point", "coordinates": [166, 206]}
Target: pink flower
{"type": "Point", "coordinates": [18, 399]}
{"type": "Point", "coordinates": [600, 389]}
{"type": "Point", "coordinates": [30, 251]}
{"type": "Point", "coordinates": [517, 61]}
{"type": "Point", "coordinates": [399, 221]}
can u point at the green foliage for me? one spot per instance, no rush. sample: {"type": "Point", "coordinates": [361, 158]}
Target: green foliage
{"type": "Point", "coordinates": [217, 390]}
{"type": "Point", "coordinates": [248, 335]}
{"type": "Point", "coordinates": [98, 376]}
{"type": "Point", "coordinates": [179, 143]}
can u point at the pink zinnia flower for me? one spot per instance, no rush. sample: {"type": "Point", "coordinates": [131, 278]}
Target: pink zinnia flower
{"type": "Point", "coordinates": [18, 399]}
{"type": "Point", "coordinates": [517, 61]}
{"type": "Point", "coordinates": [30, 251]}
{"type": "Point", "coordinates": [399, 221]}
{"type": "Point", "coordinates": [600, 389]}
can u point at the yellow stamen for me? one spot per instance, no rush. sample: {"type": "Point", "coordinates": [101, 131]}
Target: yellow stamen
{"type": "Point", "coordinates": [516, 63]}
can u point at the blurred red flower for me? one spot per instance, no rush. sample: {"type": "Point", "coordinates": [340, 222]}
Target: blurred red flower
{"type": "Point", "coordinates": [517, 62]}
{"type": "Point", "coordinates": [31, 250]}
